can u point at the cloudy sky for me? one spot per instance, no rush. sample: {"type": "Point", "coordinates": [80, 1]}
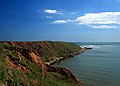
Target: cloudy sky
{"type": "Point", "coordinates": [60, 20]}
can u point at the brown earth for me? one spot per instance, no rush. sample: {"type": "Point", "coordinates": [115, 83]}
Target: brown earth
{"type": "Point", "coordinates": [42, 52]}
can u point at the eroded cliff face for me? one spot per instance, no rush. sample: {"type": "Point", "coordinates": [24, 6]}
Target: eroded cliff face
{"type": "Point", "coordinates": [24, 63]}
{"type": "Point", "coordinates": [67, 73]}
{"type": "Point", "coordinates": [50, 50]}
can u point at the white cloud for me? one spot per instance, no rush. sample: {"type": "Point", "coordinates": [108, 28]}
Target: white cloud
{"type": "Point", "coordinates": [49, 17]}
{"type": "Point", "coordinates": [102, 26]}
{"type": "Point", "coordinates": [61, 21]}
{"type": "Point", "coordinates": [95, 20]}
{"type": "Point", "coordinates": [50, 11]}
{"type": "Point", "coordinates": [102, 20]}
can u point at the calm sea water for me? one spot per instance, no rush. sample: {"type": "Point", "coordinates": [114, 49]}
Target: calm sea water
{"type": "Point", "coordinates": [97, 67]}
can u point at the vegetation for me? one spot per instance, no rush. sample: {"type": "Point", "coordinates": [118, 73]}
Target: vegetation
{"type": "Point", "coordinates": [57, 79]}
{"type": "Point", "coordinates": [16, 69]}
{"type": "Point", "coordinates": [50, 50]}
{"type": "Point", "coordinates": [13, 74]}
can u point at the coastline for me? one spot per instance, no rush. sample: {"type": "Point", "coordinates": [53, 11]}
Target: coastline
{"type": "Point", "coordinates": [58, 59]}
{"type": "Point", "coordinates": [36, 53]}
{"type": "Point", "coordinates": [64, 70]}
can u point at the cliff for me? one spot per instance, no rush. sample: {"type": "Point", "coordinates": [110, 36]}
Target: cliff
{"type": "Point", "coordinates": [24, 63]}
{"type": "Point", "coordinates": [49, 50]}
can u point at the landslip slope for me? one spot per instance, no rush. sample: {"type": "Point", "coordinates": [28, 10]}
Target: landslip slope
{"type": "Point", "coordinates": [24, 64]}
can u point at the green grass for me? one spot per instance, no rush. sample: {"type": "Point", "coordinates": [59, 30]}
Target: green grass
{"type": "Point", "coordinates": [58, 49]}
{"type": "Point", "coordinates": [13, 75]}
{"type": "Point", "coordinates": [56, 79]}
{"type": "Point", "coordinates": [18, 77]}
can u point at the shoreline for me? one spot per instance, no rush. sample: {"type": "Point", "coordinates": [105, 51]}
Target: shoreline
{"type": "Point", "coordinates": [58, 59]}
{"type": "Point", "coordinates": [36, 53]}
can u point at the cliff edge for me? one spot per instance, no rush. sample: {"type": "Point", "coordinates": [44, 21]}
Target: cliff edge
{"type": "Point", "coordinates": [24, 64]}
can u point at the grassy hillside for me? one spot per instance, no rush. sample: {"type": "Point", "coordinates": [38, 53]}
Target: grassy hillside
{"type": "Point", "coordinates": [50, 50]}
{"type": "Point", "coordinates": [20, 66]}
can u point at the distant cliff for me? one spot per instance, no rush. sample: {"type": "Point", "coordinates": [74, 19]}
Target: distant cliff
{"type": "Point", "coordinates": [24, 63]}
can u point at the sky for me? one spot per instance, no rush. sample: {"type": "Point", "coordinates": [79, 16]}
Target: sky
{"type": "Point", "coordinates": [60, 20]}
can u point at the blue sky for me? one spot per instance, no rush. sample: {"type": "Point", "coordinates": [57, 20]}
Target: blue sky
{"type": "Point", "coordinates": [60, 20]}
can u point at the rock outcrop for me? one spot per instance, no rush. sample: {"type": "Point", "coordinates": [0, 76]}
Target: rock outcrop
{"type": "Point", "coordinates": [67, 73]}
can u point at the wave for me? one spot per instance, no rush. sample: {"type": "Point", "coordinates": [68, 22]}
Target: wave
{"type": "Point", "coordinates": [91, 46]}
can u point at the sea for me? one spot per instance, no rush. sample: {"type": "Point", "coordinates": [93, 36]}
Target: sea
{"type": "Point", "coordinates": [99, 66]}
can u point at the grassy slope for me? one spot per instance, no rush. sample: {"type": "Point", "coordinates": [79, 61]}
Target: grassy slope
{"type": "Point", "coordinates": [16, 69]}
{"type": "Point", "coordinates": [49, 50]}
{"type": "Point", "coordinates": [12, 74]}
